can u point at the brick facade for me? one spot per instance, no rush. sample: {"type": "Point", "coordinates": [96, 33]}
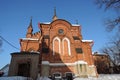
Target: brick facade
{"type": "Point", "coordinates": [62, 48]}
{"type": "Point", "coordinates": [103, 63]}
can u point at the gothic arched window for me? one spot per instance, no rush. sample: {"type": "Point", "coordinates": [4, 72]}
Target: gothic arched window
{"type": "Point", "coordinates": [66, 46]}
{"type": "Point", "coordinates": [56, 46]}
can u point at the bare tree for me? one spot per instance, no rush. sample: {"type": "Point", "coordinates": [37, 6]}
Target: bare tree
{"type": "Point", "coordinates": [111, 5]}
{"type": "Point", "coordinates": [113, 50]}
{"type": "Point", "coordinates": [0, 44]}
{"type": "Point", "coordinates": [115, 4]}
{"type": "Point", "coordinates": [113, 46]}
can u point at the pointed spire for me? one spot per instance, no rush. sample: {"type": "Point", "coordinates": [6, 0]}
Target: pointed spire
{"type": "Point", "coordinates": [30, 29]}
{"type": "Point", "coordinates": [55, 11]}
{"type": "Point", "coordinates": [30, 22]}
{"type": "Point", "coordinates": [55, 16]}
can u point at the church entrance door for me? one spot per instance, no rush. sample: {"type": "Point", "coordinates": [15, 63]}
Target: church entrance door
{"type": "Point", "coordinates": [24, 69]}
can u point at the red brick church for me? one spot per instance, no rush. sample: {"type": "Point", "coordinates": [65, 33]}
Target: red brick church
{"type": "Point", "coordinates": [57, 48]}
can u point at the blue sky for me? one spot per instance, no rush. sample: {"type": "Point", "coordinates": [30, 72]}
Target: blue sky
{"type": "Point", "coordinates": [15, 17]}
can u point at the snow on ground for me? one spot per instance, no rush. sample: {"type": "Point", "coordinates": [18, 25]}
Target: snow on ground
{"type": "Point", "coordinates": [43, 78]}
{"type": "Point", "coordinates": [15, 78]}
{"type": "Point", "coordinates": [102, 77]}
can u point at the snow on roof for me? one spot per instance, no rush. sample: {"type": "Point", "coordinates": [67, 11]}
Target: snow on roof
{"type": "Point", "coordinates": [7, 65]}
{"type": "Point", "coordinates": [75, 25]}
{"type": "Point", "coordinates": [87, 40]}
{"type": "Point", "coordinates": [46, 22]}
{"type": "Point", "coordinates": [99, 53]}
{"type": "Point", "coordinates": [30, 39]}
{"type": "Point", "coordinates": [50, 22]}
{"type": "Point", "coordinates": [5, 69]}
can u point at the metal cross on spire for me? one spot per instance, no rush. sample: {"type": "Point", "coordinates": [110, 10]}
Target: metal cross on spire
{"type": "Point", "coordinates": [54, 16]}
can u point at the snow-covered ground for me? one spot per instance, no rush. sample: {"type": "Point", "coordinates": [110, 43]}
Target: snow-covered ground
{"type": "Point", "coordinates": [101, 77]}
{"type": "Point", "coordinates": [43, 78]}
{"type": "Point", "coordinates": [15, 78]}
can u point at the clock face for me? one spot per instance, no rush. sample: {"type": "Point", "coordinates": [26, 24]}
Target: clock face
{"type": "Point", "coordinates": [61, 31]}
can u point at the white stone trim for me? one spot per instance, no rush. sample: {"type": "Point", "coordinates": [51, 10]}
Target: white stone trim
{"type": "Point", "coordinates": [91, 65]}
{"type": "Point", "coordinates": [54, 45]}
{"type": "Point", "coordinates": [69, 51]}
{"type": "Point", "coordinates": [45, 62]}
{"type": "Point", "coordinates": [65, 64]}
{"type": "Point", "coordinates": [80, 62]}
{"type": "Point", "coordinates": [62, 64]}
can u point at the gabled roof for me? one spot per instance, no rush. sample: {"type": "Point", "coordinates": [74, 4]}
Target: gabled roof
{"type": "Point", "coordinates": [7, 65]}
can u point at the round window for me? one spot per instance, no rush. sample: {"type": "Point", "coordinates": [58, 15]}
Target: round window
{"type": "Point", "coordinates": [61, 31]}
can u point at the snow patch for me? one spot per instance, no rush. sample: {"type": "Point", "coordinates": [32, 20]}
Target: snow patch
{"type": "Point", "coordinates": [75, 25]}
{"type": "Point", "coordinates": [87, 40]}
{"type": "Point", "coordinates": [15, 78]}
{"type": "Point", "coordinates": [46, 22]}
{"type": "Point", "coordinates": [102, 77]}
{"type": "Point", "coordinates": [43, 78]}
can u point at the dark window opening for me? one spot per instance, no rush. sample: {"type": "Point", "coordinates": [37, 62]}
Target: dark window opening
{"type": "Point", "coordinates": [44, 44]}
{"type": "Point", "coordinates": [102, 57]}
{"type": "Point", "coordinates": [69, 76]}
{"type": "Point", "coordinates": [45, 50]}
{"type": "Point", "coordinates": [79, 50]}
{"type": "Point", "coordinates": [61, 31]}
{"type": "Point", "coordinates": [76, 38]}
{"type": "Point", "coordinates": [57, 74]}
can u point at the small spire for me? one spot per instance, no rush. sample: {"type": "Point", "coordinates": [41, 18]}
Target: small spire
{"type": "Point", "coordinates": [55, 11]}
{"type": "Point", "coordinates": [55, 16]}
{"type": "Point", "coordinates": [30, 21]}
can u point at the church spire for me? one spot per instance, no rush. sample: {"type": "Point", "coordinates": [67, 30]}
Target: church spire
{"type": "Point", "coordinates": [29, 30]}
{"type": "Point", "coordinates": [55, 16]}
{"type": "Point", "coordinates": [30, 22]}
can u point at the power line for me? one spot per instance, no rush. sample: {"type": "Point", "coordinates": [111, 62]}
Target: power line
{"type": "Point", "coordinates": [9, 43]}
